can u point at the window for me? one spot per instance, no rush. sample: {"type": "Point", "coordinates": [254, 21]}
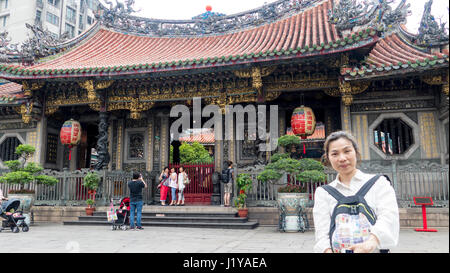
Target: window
{"type": "Point", "coordinates": [81, 23]}
{"type": "Point", "coordinates": [92, 4]}
{"type": "Point", "coordinates": [393, 136]}
{"type": "Point", "coordinates": [136, 146]}
{"type": "Point", "coordinates": [89, 20]}
{"type": "Point", "coordinates": [71, 30]}
{"type": "Point", "coordinates": [71, 15]}
{"type": "Point", "coordinates": [52, 19]}
{"type": "Point", "coordinates": [8, 149]}
{"type": "Point", "coordinates": [4, 21]}
{"type": "Point", "coordinates": [54, 2]}
{"type": "Point", "coordinates": [38, 15]}
{"type": "Point", "coordinates": [3, 5]}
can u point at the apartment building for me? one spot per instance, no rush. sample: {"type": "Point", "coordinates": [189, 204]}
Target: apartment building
{"type": "Point", "coordinates": [57, 16]}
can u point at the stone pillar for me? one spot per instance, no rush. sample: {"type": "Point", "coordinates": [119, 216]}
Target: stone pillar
{"type": "Point", "coordinates": [346, 118]}
{"type": "Point", "coordinates": [165, 140]}
{"type": "Point", "coordinates": [41, 148]}
{"type": "Point", "coordinates": [102, 142]}
{"type": "Point", "coordinates": [110, 143]}
{"type": "Point", "coordinates": [282, 127]}
{"type": "Point", "coordinates": [151, 136]}
{"type": "Point", "coordinates": [119, 151]}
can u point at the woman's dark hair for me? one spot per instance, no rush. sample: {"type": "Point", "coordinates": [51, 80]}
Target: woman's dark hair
{"type": "Point", "coordinates": [229, 163]}
{"type": "Point", "coordinates": [136, 175]}
{"type": "Point", "coordinates": [165, 169]}
{"type": "Point", "coordinates": [333, 137]}
{"type": "Point", "coordinates": [181, 167]}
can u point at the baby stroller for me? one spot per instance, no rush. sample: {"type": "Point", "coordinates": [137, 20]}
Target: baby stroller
{"type": "Point", "coordinates": [13, 218]}
{"type": "Point", "coordinates": [123, 215]}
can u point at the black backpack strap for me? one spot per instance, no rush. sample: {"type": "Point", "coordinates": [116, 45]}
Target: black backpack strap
{"type": "Point", "coordinates": [364, 189]}
{"type": "Point", "coordinates": [333, 192]}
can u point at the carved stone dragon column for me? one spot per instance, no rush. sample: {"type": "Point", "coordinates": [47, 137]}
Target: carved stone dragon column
{"type": "Point", "coordinates": [100, 101]}
{"type": "Point", "coordinates": [102, 142]}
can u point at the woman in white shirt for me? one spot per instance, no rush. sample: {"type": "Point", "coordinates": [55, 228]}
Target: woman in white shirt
{"type": "Point", "coordinates": [181, 179]}
{"type": "Point", "coordinates": [173, 185]}
{"type": "Point", "coordinates": [2, 198]}
{"type": "Point", "coordinates": [342, 154]}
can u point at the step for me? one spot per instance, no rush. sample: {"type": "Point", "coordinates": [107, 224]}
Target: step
{"type": "Point", "coordinates": [179, 214]}
{"type": "Point", "coordinates": [183, 218]}
{"type": "Point", "coordinates": [246, 225]}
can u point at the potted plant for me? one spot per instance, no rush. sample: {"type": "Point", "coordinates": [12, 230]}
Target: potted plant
{"type": "Point", "coordinates": [90, 207]}
{"type": "Point", "coordinates": [91, 182]}
{"type": "Point", "coordinates": [23, 174]}
{"type": "Point", "coordinates": [244, 183]}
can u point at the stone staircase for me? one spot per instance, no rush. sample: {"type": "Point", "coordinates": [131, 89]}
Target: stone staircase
{"type": "Point", "coordinates": [186, 216]}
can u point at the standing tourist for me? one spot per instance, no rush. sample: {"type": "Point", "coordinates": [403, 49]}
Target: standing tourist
{"type": "Point", "coordinates": [182, 176]}
{"type": "Point", "coordinates": [228, 186]}
{"type": "Point", "coordinates": [2, 198]}
{"type": "Point", "coordinates": [173, 184]}
{"type": "Point", "coordinates": [353, 232]}
{"type": "Point", "coordinates": [136, 203]}
{"type": "Point", "coordinates": [164, 185]}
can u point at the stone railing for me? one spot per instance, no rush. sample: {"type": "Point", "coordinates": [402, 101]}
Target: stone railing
{"type": "Point", "coordinates": [71, 192]}
{"type": "Point", "coordinates": [414, 179]}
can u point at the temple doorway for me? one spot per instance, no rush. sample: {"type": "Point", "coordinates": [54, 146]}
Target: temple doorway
{"type": "Point", "coordinates": [87, 152]}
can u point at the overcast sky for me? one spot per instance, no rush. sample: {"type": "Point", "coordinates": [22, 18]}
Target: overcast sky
{"type": "Point", "coordinates": [186, 9]}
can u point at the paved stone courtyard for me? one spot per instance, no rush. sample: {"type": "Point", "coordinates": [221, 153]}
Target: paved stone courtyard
{"type": "Point", "coordinates": [57, 238]}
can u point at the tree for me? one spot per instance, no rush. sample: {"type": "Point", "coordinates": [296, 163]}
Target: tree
{"type": "Point", "coordinates": [304, 170]}
{"type": "Point", "coordinates": [22, 173]}
{"type": "Point", "coordinates": [193, 153]}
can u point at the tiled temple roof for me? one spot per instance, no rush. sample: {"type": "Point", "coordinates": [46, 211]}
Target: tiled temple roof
{"type": "Point", "coordinates": [10, 92]}
{"type": "Point", "coordinates": [296, 29]}
{"type": "Point", "coordinates": [108, 53]}
{"type": "Point", "coordinates": [394, 54]}
{"type": "Point", "coordinates": [202, 138]}
{"type": "Point", "coordinates": [319, 133]}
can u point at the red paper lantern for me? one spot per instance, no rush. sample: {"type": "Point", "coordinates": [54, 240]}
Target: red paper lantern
{"type": "Point", "coordinates": [208, 8]}
{"type": "Point", "coordinates": [303, 122]}
{"type": "Point", "coordinates": [70, 134]}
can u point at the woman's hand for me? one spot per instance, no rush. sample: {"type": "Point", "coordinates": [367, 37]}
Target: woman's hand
{"type": "Point", "coordinates": [328, 250]}
{"type": "Point", "coordinates": [367, 247]}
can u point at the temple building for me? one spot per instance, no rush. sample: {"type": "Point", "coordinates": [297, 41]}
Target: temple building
{"type": "Point", "coordinates": [356, 66]}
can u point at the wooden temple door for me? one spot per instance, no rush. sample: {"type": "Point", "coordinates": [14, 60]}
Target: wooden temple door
{"type": "Point", "coordinates": [200, 188]}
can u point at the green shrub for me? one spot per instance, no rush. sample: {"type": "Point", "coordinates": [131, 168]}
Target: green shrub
{"type": "Point", "coordinates": [91, 181]}
{"type": "Point", "coordinates": [22, 173]}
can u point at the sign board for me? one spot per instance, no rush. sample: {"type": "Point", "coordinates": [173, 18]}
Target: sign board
{"type": "Point", "coordinates": [423, 201]}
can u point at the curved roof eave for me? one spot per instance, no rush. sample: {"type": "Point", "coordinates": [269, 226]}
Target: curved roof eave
{"type": "Point", "coordinates": [101, 52]}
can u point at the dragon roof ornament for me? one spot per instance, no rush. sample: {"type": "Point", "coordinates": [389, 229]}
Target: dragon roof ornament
{"type": "Point", "coordinates": [39, 45]}
{"type": "Point", "coordinates": [348, 14]}
{"type": "Point", "coordinates": [430, 33]}
{"type": "Point", "coordinates": [119, 17]}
